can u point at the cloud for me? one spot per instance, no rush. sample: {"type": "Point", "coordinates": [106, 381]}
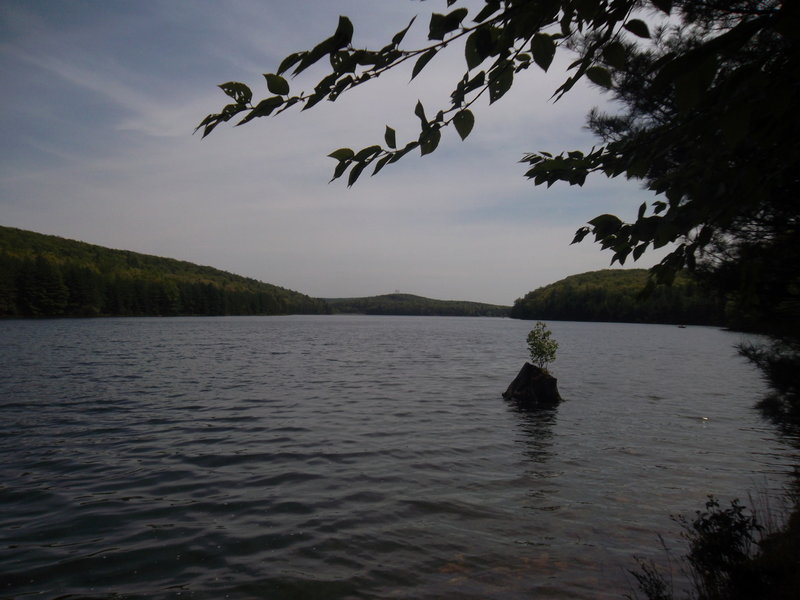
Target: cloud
{"type": "Point", "coordinates": [99, 135]}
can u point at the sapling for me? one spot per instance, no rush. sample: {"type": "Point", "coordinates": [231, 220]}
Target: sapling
{"type": "Point", "coordinates": [542, 348]}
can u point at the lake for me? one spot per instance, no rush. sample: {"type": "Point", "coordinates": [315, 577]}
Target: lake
{"type": "Point", "coordinates": [338, 457]}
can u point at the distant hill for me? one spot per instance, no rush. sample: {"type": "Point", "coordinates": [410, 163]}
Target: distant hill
{"type": "Point", "coordinates": [612, 295]}
{"type": "Point", "coordinates": [409, 304]}
{"type": "Point", "coordinates": [45, 275]}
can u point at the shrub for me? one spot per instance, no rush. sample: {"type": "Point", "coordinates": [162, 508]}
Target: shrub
{"type": "Point", "coordinates": [541, 347]}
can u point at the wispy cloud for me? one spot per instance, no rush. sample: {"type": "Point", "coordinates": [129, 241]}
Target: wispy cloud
{"type": "Point", "coordinates": [98, 129]}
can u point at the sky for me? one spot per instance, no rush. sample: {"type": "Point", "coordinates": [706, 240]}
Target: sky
{"type": "Point", "coordinates": [99, 101]}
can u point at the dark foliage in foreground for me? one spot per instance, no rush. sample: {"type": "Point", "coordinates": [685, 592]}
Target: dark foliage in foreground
{"type": "Point", "coordinates": [730, 557]}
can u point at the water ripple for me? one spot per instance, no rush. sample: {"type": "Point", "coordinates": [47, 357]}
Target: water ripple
{"type": "Point", "coordinates": [358, 457]}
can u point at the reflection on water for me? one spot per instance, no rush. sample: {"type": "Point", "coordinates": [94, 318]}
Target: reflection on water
{"type": "Point", "coordinates": [359, 457]}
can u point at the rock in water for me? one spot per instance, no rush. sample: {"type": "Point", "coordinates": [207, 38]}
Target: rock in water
{"type": "Point", "coordinates": [533, 387]}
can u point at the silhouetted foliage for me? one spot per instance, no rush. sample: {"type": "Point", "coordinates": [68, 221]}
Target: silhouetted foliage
{"type": "Point", "coordinates": [731, 557]}
{"type": "Point", "coordinates": [48, 276]}
{"type": "Point", "coordinates": [710, 91]}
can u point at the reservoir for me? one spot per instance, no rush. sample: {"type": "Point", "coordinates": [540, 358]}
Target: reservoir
{"type": "Point", "coordinates": [357, 457]}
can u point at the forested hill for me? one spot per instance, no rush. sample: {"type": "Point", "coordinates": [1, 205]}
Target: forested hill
{"type": "Point", "coordinates": [612, 295]}
{"type": "Point", "coordinates": [408, 304]}
{"type": "Point", "coordinates": [45, 275]}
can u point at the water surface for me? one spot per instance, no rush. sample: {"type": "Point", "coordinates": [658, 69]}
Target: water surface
{"type": "Point", "coordinates": [359, 457]}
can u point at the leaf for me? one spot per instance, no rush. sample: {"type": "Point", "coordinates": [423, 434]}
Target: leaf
{"type": "Point", "coordinates": [398, 37]}
{"type": "Point", "coordinates": [423, 60]}
{"type": "Point", "coordinates": [663, 5]}
{"type": "Point", "coordinates": [390, 137]}
{"type": "Point", "coordinates": [605, 225]}
{"type": "Point", "coordinates": [366, 153]}
{"type": "Point", "coordinates": [500, 81]}
{"type": "Point", "coordinates": [277, 84]}
{"type": "Point", "coordinates": [340, 169]}
{"type": "Point", "coordinates": [343, 34]}
{"type": "Point", "coordinates": [544, 49]}
{"type": "Point", "coordinates": [492, 6]}
{"type": "Point", "coordinates": [342, 154]}
{"type": "Point", "coordinates": [580, 234]}
{"type": "Point", "coordinates": [475, 82]}
{"type": "Point", "coordinates": [381, 163]}
{"type": "Point", "coordinates": [289, 61]}
{"type": "Point", "coordinates": [464, 122]}
{"type": "Point", "coordinates": [441, 25]}
{"type": "Point", "coordinates": [600, 76]}
{"type": "Point", "coordinates": [471, 53]}
{"type": "Point", "coordinates": [263, 109]}
{"type": "Point", "coordinates": [354, 173]}
{"type": "Point", "coordinates": [238, 91]}
{"type": "Point", "coordinates": [637, 28]}
{"type": "Point", "coordinates": [420, 112]}
{"type": "Point", "coordinates": [615, 54]}
{"type": "Point", "coordinates": [429, 140]}
{"type": "Point", "coordinates": [639, 250]}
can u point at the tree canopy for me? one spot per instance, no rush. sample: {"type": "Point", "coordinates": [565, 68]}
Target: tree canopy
{"type": "Point", "coordinates": [710, 89]}
{"type": "Point", "coordinates": [49, 276]}
{"type": "Point", "coordinates": [614, 295]}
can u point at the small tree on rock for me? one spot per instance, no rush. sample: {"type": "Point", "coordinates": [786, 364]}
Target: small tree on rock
{"type": "Point", "coordinates": [542, 348]}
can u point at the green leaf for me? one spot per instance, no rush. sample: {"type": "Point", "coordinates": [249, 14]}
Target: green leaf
{"type": "Point", "coordinates": [666, 232]}
{"type": "Point", "coordinates": [390, 137]}
{"type": "Point", "coordinates": [544, 49]}
{"type": "Point", "coordinates": [238, 91]}
{"type": "Point", "coordinates": [423, 60]}
{"type": "Point", "coordinates": [639, 250]}
{"type": "Point", "coordinates": [600, 76]}
{"type": "Point", "coordinates": [441, 25]}
{"type": "Point", "coordinates": [471, 53]}
{"type": "Point", "coordinates": [492, 6]}
{"type": "Point", "coordinates": [354, 173]}
{"type": "Point", "coordinates": [381, 163]}
{"type": "Point", "coordinates": [277, 84]}
{"type": "Point", "coordinates": [605, 225]}
{"type": "Point", "coordinates": [429, 140]}
{"type": "Point", "coordinates": [500, 81]}
{"type": "Point", "coordinates": [342, 154]}
{"type": "Point", "coordinates": [344, 33]}
{"type": "Point", "coordinates": [464, 122]}
{"type": "Point", "coordinates": [340, 169]}
{"type": "Point", "coordinates": [263, 109]}
{"type": "Point", "coordinates": [637, 28]}
{"type": "Point", "coordinates": [475, 82]}
{"type": "Point", "coordinates": [580, 234]}
{"type": "Point", "coordinates": [289, 61]}
{"type": "Point", "coordinates": [420, 112]}
{"type": "Point", "coordinates": [366, 153]}
{"type": "Point", "coordinates": [398, 37]}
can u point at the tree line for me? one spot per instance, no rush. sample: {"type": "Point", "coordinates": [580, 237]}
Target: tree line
{"type": "Point", "coordinates": [48, 276]}
{"type": "Point", "coordinates": [409, 304]}
{"type": "Point", "coordinates": [616, 295]}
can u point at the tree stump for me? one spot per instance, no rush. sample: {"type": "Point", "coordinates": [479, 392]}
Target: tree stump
{"type": "Point", "coordinates": [533, 387]}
